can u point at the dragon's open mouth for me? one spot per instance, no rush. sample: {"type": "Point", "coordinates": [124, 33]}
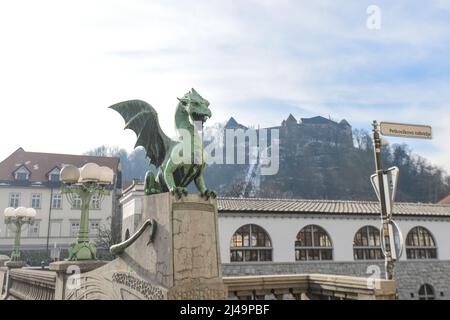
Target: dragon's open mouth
{"type": "Point", "coordinates": [199, 117]}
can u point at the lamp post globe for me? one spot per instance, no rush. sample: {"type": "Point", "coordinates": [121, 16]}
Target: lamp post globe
{"type": "Point", "coordinates": [17, 218]}
{"type": "Point", "coordinates": [69, 174]}
{"type": "Point", "coordinates": [84, 183]}
{"type": "Point", "coordinates": [9, 212]}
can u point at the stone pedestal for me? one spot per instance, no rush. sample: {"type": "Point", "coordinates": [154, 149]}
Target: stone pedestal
{"type": "Point", "coordinates": [177, 260]}
{"type": "Point", "coordinates": [184, 256]}
{"type": "Point", "coordinates": [3, 260]}
{"type": "Point", "coordinates": [15, 264]}
{"type": "Point", "coordinates": [66, 270]}
{"type": "Point", "coordinates": [81, 266]}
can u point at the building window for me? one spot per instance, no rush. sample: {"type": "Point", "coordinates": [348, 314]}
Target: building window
{"type": "Point", "coordinates": [74, 229]}
{"type": "Point", "coordinates": [76, 202]}
{"type": "Point", "coordinates": [93, 228]}
{"type": "Point", "coordinates": [250, 243]}
{"type": "Point", "coordinates": [57, 201]}
{"type": "Point", "coordinates": [95, 203]}
{"type": "Point", "coordinates": [36, 201]}
{"type": "Point", "coordinates": [33, 230]}
{"type": "Point", "coordinates": [313, 243]}
{"type": "Point", "coordinates": [53, 177]}
{"type": "Point", "coordinates": [367, 245]}
{"type": "Point", "coordinates": [426, 292]}
{"type": "Point", "coordinates": [420, 244]}
{"type": "Point", "coordinates": [22, 174]}
{"type": "Point", "coordinates": [14, 200]}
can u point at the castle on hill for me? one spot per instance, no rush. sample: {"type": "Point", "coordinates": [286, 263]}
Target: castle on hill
{"type": "Point", "coordinates": [307, 131]}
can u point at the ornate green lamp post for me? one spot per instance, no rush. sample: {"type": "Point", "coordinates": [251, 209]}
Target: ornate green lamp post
{"type": "Point", "coordinates": [80, 185]}
{"type": "Point", "coordinates": [16, 219]}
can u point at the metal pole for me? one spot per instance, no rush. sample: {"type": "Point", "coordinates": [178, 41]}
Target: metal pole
{"type": "Point", "coordinates": [389, 263]}
{"type": "Point", "coordinates": [82, 249]}
{"type": "Point", "coordinates": [49, 223]}
{"type": "Point", "coordinates": [83, 233]}
{"type": "Point", "coordinates": [15, 256]}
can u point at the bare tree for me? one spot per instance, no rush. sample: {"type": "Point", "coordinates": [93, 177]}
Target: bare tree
{"type": "Point", "coordinates": [106, 236]}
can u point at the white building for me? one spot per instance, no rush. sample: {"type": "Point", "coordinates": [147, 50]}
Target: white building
{"type": "Point", "coordinates": [268, 236]}
{"type": "Point", "coordinates": [31, 179]}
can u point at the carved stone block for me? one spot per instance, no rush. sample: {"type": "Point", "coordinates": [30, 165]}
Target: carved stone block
{"type": "Point", "coordinates": [184, 255]}
{"type": "Point", "coordinates": [179, 259]}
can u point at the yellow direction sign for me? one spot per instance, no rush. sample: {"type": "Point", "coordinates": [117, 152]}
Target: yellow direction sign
{"type": "Point", "coordinates": [406, 130]}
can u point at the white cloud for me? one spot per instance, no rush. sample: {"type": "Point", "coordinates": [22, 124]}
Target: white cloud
{"type": "Point", "coordinates": [63, 63]}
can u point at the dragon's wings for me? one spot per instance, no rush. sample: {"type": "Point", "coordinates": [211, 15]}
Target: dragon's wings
{"type": "Point", "coordinates": [140, 117]}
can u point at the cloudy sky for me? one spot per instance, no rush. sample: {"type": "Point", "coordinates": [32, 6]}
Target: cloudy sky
{"type": "Point", "coordinates": [62, 63]}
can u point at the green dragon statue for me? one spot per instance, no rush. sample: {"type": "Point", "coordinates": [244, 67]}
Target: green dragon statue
{"type": "Point", "coordinates": [173, 175]}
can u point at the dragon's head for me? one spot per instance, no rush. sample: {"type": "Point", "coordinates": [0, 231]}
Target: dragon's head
{"type": "Point", "coordinates": [196, 106]}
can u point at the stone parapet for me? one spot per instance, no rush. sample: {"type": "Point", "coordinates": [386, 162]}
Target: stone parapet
{"type": "Point", "coordinates": [27, 284]}
{"type": "Point", "coordinates": [310, 286]}
{"type": "Point", "coordinates": [409, 274]}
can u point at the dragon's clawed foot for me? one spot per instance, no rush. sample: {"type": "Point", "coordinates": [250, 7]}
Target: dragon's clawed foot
{"type": "Point", "coordinates": [209, 194]}
{"type": "Point", "coordinates": [179, 192]}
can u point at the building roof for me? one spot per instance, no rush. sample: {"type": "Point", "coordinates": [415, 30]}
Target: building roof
{"type": "Point", "coordinates": [41, 164]}
{"type": "Point", "coordinates": [302, 206]}
{"type": "Point", "coordinates": [344, 123]}
{"type": "Point", "coordinates": [233, 124]}
{"type": "Point", "coordinates": [317, 120]}
{"type": "Point", "coordinates": [294, 206]}
{"type": "Point", "coordinates": [291, 118]}
{"type": "Point", "coordinates": [446, 200]}
{"type": "Point", "coordinates": [135, 184]}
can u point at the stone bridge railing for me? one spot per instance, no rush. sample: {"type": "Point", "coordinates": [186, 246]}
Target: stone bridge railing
{"type": "Point", "coordinates": [3, 276]}
{"type": "Point", "coordinates": [28, 284]}
{"type": "Point", "coordinates": [309, 287]}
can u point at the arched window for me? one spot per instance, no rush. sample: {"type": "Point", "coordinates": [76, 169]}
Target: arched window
{"type": "Point", "coordinates": [250, 243]}
{"type": "Point", "coordinates": [313, 243]}
{"type": "Point", "coordinates": [127, 234]}
{"type": "Point", "coordinates": [366, 244]}
{"type": "Point", "coordinates": [420, 244]}
{"type": "Point", "coordinates": [426, 292]}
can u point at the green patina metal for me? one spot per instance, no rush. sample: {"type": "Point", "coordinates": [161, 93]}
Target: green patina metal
{"type": "Point", "coordinates": [82, 248]}
{"type": "Point", "coordinates": [174, 175]}
{"type": "Point", "coordinates": [18, 222]}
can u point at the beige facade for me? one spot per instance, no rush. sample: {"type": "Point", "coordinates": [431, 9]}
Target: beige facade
{"type": "Point", "coordinates": [56, 219]}
{"type": "Point", "coordinates": [31, 179]}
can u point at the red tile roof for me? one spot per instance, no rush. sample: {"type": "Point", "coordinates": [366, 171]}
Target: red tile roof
{"type": "Point", "coordinates": [446, 200]}
{"type": "Point", "coordinates": [41, 164]}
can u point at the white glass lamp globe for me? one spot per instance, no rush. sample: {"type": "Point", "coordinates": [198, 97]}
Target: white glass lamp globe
{"type": "Point", "coordinates": [9, 212]}
{"type": "Point", "coordinates": [106, 175]}
{"type": "Point", "coordinates": [70, 174]}
{"type": "Point", "coordinates": [90, 172]}
{"type": "Point", "coordinates": [31, 213]}
{"type": "Point", "coordinates": [21, 212]}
